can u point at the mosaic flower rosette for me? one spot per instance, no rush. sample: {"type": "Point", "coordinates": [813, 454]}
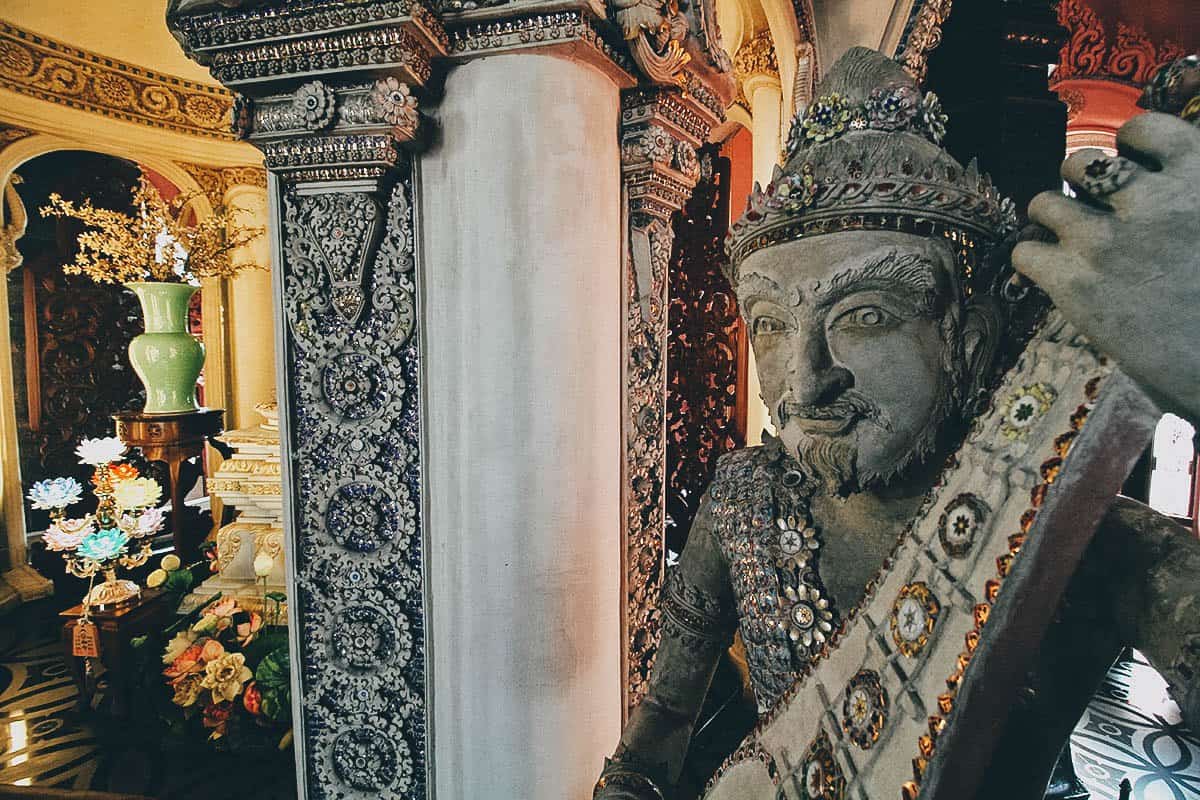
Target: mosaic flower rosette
{"type": "Point", "coordinates": [874, 703]}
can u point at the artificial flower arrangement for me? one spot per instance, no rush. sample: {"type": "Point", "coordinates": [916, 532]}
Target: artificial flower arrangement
{"type": "Point", "coordinates": [154, 244]}
{"type": "Point", "coordinates": [222, 671]}
{"type": "Point", "coordinates": [117, 533]}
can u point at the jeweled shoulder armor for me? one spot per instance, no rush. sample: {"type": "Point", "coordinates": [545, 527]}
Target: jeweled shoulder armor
{"type": "Point", "coordinates": [760, 509]}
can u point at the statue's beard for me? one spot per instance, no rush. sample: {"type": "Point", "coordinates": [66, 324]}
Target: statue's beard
{"type": "Point", "coordinates": [833, 461]}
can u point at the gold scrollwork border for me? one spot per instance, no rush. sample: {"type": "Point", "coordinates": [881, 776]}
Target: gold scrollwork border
{"type": "Point", "coordinates": [48, 70]}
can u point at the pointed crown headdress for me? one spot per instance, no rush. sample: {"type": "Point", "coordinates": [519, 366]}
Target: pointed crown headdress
{"type": "Point", "coordinates": [866, 155]}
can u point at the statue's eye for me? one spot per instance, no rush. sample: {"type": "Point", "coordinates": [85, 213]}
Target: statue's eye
{"type": "Point", "coordinates": [768, 325]}
{"type": "Point", "coordinates": [865, 317]}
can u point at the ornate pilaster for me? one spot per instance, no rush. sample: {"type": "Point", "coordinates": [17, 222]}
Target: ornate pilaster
{"type": "Point", "coordinates": [343, 236]}
{"type": "Point", "coordinates": [661, 127]}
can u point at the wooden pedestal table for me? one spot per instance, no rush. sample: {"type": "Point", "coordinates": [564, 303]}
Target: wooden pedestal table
{"type": "Point", "coordinates": [114, 631]}
{"type": "Point", "coordinates": [173, 439]}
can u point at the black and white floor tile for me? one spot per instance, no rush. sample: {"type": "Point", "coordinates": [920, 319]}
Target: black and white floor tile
{"type": "Point", "coordinates": [1132, 730]}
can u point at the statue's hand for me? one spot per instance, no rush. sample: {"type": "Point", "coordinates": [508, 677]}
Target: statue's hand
{"type": "Point", "coordinates": [1126, 267]}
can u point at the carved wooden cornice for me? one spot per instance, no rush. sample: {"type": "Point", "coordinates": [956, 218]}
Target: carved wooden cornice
{"type": "Point", "coordinates": [1130, 58]}
{"type": "Point", "coordinates": [48, 70]}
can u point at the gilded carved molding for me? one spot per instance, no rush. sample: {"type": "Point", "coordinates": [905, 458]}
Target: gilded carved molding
{"type": "Point", "coordinates": [756, 56]}
{"type": "Point", "coordinates": [923, 36]}
{"type": "Point", "coordinates": [48, 70]}
{"type": "Point", "coordinates": [667, 39]}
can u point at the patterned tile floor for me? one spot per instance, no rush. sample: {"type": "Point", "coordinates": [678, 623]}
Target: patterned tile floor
{"type": "Point", "coordinates": [45, 741]}
{"type": "Point", "coordinates": [1132, 730]}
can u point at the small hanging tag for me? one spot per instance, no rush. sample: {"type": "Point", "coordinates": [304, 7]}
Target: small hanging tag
{"type": "Point", "coordinates": [86, 644]}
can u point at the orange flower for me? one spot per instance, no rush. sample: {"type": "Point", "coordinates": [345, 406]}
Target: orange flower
{"type": "Point", "coordinates": [123, 471]}
{"type": "Point", "coordinates": [252, 698]}
{"type": "Point", "coordinates": [188, 661]}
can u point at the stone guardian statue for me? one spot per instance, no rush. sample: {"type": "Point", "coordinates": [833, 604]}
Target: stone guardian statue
{"type": "Point", "coordinates": [871, 274]}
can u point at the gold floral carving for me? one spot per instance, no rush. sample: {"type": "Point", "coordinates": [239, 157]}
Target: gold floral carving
{"type": "Point", "coordinates": [756, 57]}
{"type": "Point", "coordinates": [216, 181]}
{"type": "Point", "coordinates": [48, 70]}
{"type": "Point", "coordinates": [924, 38]}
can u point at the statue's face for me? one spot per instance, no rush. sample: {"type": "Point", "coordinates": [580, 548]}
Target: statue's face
{"type": "Point", "coordinates": [860, 357]}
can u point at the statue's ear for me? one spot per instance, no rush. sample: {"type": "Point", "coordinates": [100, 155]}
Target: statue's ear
{"type": "Point", "coordinates": [981, 339]}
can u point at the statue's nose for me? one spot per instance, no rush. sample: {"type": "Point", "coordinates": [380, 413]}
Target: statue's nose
{"type": "Point", "coordinates": [815, 377]}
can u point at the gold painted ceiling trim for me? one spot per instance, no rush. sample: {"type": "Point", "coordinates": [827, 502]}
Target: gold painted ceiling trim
{"type": "Point", "coordinates": [33, 65]}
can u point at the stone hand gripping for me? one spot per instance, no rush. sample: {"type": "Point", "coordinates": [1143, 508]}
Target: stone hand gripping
{"type": "Point", "coordinates": [1126, 266]}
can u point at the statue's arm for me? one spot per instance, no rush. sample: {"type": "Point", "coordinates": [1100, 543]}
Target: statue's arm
{"type": "Point", "coordinates": [698, 620]}
{"type": "Point", "coordinates": [1154, 568]}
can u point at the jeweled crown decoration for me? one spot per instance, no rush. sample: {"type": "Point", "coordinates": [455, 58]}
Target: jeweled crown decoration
{"type": "Point", "coordinates": [866, 155]}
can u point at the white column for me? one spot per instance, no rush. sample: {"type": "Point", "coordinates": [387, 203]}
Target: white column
{"type": "Point", "coordinates": [766, 108]}
{"type": "Point", "coordinates": [520, 259]}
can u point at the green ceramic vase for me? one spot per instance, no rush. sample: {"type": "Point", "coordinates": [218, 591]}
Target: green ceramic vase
{"type": "Point", "coordinates": [166, 357]}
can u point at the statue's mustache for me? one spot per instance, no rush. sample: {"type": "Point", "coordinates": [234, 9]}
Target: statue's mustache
{"type": "Point", "coordinates": [846, 406]}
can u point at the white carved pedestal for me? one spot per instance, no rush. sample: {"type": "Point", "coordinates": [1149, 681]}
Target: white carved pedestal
{"type": "Point", "coordinates": [249, 482]}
